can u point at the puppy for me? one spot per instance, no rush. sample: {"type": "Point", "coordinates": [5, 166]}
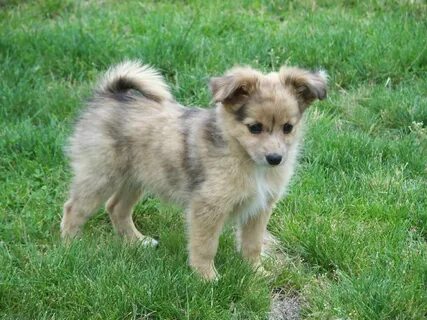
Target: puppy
{"type": "Point", "coordinates": [233, 161]}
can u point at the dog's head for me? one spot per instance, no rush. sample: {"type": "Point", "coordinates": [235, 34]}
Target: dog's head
{"type": "Point", "coordinates": [263, 111]}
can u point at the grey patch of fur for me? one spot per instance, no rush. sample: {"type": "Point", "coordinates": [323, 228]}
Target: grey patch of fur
{"type": "Point", "coordinates": [126, 96]}
{"type": "Point", "coordinates": [123, 90]}
{"type": "Point", "coordinates": [240, 113]}
{"type": "Point", "coordinates": [133, 75]}
{"type": "Point", "coordinates": [121, 84]}
{"type": "Point", "coordinates": [190, 113]}
{"type": "Point", "coordinates": [191, 163]}
{"type": "Point", "coordinates": [123, 97]}
{"type": "Point", "coordinates": [213, 132]}
{"type": "Point", "coordinates": [172, 174]}
{"type": "Point", "coordinates": [121, 144]}
{"type": "Point", "coordinates": [114, 129]}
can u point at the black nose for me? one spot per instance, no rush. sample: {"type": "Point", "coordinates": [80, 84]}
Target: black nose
{"type": "Point", "coordinates": [273, 158]}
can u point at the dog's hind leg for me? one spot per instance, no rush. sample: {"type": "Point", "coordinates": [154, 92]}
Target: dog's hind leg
{"type": "Point", "coordinates": [85, 198]}
{"type": "Point", "coordinates": [120, 208]}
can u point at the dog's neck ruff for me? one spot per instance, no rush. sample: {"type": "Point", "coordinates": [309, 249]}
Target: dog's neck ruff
{"type": "Point", "coordinates": [262, 193]}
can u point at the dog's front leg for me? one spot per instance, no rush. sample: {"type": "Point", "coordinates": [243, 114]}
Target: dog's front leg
{"type": "Point", "coordinates": [252, 235]}
{"type": "Point", "coordinates": [205, 222]}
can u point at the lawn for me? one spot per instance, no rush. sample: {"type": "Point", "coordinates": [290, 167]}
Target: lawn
{"type": "Point", "coordinates": [353, 228]}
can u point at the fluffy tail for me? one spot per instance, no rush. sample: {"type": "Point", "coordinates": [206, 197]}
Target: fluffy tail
{"type": "Point", "coordinates": [134, 75]}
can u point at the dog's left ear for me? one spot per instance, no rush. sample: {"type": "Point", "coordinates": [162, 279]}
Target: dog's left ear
{"type": "Point", "coordinates": [235, 87]}
{"type": "Point", "coordinates": [307, 86]}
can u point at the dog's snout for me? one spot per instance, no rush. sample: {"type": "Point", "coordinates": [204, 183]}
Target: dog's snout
{"type": "Point", "coordinates": [273, 158]}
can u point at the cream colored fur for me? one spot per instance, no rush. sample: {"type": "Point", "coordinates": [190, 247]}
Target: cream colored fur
{"type": "Point", "coordinates": [134, 138]}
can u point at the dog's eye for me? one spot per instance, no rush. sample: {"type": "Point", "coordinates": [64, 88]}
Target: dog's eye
{"type": "Point", "coordinates": [287, 128]}
{"type": "Point", "coordinates": [255, 128]}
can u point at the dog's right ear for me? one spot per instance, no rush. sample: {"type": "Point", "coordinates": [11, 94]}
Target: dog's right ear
{"type": "Point", "coordinates": [235, 87]}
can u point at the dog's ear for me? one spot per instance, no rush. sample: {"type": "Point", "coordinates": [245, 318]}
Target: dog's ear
{"type": "Point", "coordinates": [306, 85]}
{"type": "Point", "coordinates": [235, 87]}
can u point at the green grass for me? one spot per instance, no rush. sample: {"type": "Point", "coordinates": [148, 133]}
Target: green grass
{"type": "Point", "coordinates": [354, 226]}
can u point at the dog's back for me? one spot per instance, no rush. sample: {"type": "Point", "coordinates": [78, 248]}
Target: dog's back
{"type": "Point", "coordinates": [119, 139]}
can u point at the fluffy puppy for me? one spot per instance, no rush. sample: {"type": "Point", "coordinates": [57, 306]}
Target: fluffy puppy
{"type": "Point", "coordinates": [233, 161]}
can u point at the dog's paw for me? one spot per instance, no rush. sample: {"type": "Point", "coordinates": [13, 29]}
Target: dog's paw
{"type": "Point", "coordinates": [148, 242]}
{"type": "Point", "coordinates": [140, 239]}
{"type": "Point", "coordinates": [207, 273]}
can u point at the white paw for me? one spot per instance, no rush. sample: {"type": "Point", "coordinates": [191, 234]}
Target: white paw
{"type": "Point", "coordinates": [149, 242]}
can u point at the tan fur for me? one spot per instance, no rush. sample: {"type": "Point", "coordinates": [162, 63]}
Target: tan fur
{"type": "Point", "coordinates": [134, 138]}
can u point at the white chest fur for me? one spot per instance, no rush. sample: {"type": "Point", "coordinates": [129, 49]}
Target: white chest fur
{"type": "Point", "coordinates": [263, 188]}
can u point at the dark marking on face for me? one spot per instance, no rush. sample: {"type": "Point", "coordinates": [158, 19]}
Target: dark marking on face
{"type": "Point", "coordinates": [273, 122]}
{"type": "Point", "coordinates": [191, 163]}
{"type": "Point", "coordinates": [212, 132]}
{"type": "Point", "coordinates": [240, 113]}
